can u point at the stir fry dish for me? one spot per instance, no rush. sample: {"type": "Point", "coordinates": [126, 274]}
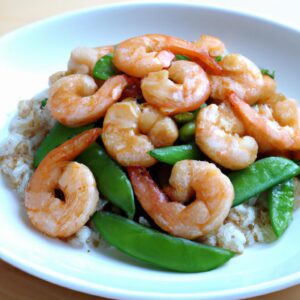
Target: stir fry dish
{"type": "Point", "coordinates": [177, 153]}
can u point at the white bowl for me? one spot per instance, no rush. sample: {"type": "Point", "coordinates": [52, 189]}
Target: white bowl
{"type": "Point", "coordinates": [28, 56]}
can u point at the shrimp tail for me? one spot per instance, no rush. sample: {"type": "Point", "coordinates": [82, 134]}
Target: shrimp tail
{"type": "Point", "coordinates": [200, 56]}
{"type": "Point", "coordinates": [69, 150]}
{"type": "Point", "coordinates": [259, 127]}
{"type": "Point", "coordinates": [145, 188]}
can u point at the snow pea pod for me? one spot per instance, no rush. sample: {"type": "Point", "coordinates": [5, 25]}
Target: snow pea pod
{"type": "Point", "coordinates": [171, 155]}
{"type": "Point", "coordinates": [281, 206]}
{"type": "Point", "coordinates": [157, 248]}
{"type": "Point", "coordinates": [57, 135]}
{"type": "Point", "coordinates": [111, 180]}
{"type": "Point", "coordinates": [260, 176]}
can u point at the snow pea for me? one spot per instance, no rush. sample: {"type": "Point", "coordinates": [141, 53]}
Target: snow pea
{"type": "Point", "coordinates": [57, 135]}
{"type": "Point", "coordinates": [157, 248]}
{"type": "Point", "coordinates": [281, 206]}
{"type": "Point", "coordinates": [187, 132]}
{"type": "Point", "coordinates": [104, 68]}
{"type": "Point", "coordinates": [171, 155]}
{"type": "Point", "coordinates": [111, 180]}
{"type": "Point", "coordinates": [260, 176]}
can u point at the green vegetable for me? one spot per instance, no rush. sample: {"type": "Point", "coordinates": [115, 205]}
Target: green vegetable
{"type": "Point", "coordinates": [184, 117]}
{"type": "Point", "coordinates": [158, 248]}
{"type": "Point", "coordinates": [281, 206]}
{"type": "Point", "coordinates": [181, 57]}
{"type": "Point", "coordinates": [44, 102]}
{"type": "Point", "coordinates": [104, 68]}
{"type": "Point", "coordinates": [218, 58]}
{"type": "Point", "coordinates": [57, 135]}
{"type": "Point", "coordinates": [260, 176]}
{"type": "Point", "coordinates": [171, 155]}
{"type": "Point", "coordinates": [268, 72]}
{"type": "Point", "coordinates": [111, 180]}
{"type": "Point", "coordinates": [187, 132]}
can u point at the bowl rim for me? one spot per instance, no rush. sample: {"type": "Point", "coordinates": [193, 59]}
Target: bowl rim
{"type": "Point", "coordinates": [80, 285]}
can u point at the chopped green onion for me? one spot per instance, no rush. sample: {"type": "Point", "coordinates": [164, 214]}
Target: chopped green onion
{"type": "Point", "coordinates": [104, 68]}
{"type": "Point", "coordinates": [44, 102]}
{"type": "Point", "coordinates": [268, 73]}
{"type": "Point", "coordinates": [218, 58]}
{"type": "Point", "coordinates": [181, 57]}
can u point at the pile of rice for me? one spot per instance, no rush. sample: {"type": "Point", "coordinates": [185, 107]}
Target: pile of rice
{"type": "Point", "coordinates": [246, 224]}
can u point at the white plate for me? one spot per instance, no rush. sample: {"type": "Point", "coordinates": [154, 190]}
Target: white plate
{"type": "Point", "coordinates": [29, 55]}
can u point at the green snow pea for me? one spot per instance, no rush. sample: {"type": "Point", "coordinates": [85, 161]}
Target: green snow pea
{"type": "Point", "coordinates": [187, 132]}
{"type": "Point", "coordinates": [281, 206]}
{"type": "Point", "coordinates": [260, 176]}
{"type": "Point", "coordinates": [111, 180]}
{"type": "Point", "coordinates": [157, 248]}
{"type": "Point", "coordinates": [171, 155]}
{"type": "Point", "coordinates": [57, 135]}
{"type": "Point", "coordinates": [104, 68]}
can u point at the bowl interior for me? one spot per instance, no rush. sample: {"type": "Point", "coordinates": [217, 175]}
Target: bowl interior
{"type": "Point", "coordinates": [30, 55]}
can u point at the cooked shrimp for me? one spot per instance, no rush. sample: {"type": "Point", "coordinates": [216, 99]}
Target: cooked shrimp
{"type": "Point", "coordinates": [130, 131]}
{"type": "Point", "coordinates": [48, 213]}
{"type": "Point", "coordinates": [274, 126]}
{"type": "Point", "coordinates": [242, 77]}
{"type": "Point", "coordinates": [268, 91]}
{"type": "Point", "coordinates": [222, 137]}
{"type": "Point", "coordinates": [83, 59]}
{"type": "Point", "coordinates": [75, 100]}
{"type": "Point", "coordinates": [141, 55]}
{"type": "Point", "coordinates": [204, 215]}
{"type": "Point", "coordinates": [210, 44]}
{"type": "Point", "coordinates": [184, 87]}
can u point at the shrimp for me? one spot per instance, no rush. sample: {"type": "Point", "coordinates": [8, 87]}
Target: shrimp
{"type": "Point", "coordinates": [222, 137]}
{"type": "Point", "coordinates": [275, 126]}
{"type": "Point", "coordinates": [48, 213]}
{"type": "Point", "coordinates": [83, 59]}
{"type": "Point", "coordinates": [187, 88]}
{"type": "Point", "coordinates": [141, 55]}
{"type": "Point", "coordinates": [75, 100]}
{"type": "Point", "coordinates": [242, 77]}
{"type": "Point", "coordinates": [130, 131]}
{"type": "Point", "coordinates": [202, 216]}
{"type": "Point", "coordinates": [210, 44]}
{"type": "Point", "coordinates": [268, 91]}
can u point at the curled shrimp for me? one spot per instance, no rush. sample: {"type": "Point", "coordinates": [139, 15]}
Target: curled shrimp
{"type": "Point", "coordinates": [204, 215]}
{"type": "Point", "coordinates": [75, 100]}
{"type": "Point", "coordinates": [83, 59]}
{"type": "Point", "coordinates": [242, 77]}
{"type": "Point", "coordinates": [275, 126]}
{"type": "Point", "coordinates": [222, 137]}
{"type": "Point", "coordinates": [184, 87]}
{"type": "Point", "coordinates": [48, 213]}
{"type": "Point", "coordinates": [130, 131]}
{"type": "Point", "coordinates": [138, 56]}
{"type": "Point", "coordinates": [210, 44]}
